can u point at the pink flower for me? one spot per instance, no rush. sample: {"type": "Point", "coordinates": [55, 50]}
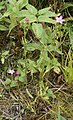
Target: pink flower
{"type": "Point", "coordinates": [11, 71]}
{"type": "Point", "coordinates": [17, 73]}
{"type": "Point", "coordinates": [59, 19]}
{"type": "Point", "coordinates": [27, 20]}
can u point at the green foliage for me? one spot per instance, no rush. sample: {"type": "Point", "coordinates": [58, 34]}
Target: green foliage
{"type": "Point", "coordinates": [37, 46]}
{"type": "Point", "coordinates": [59, 116]}
{"type": "Point", "coordinates": [71, 37]}
{"type": "Point", "coordinates": [4, 55]}
{"type": "Point", "coordinates": [68, 68]}
{"type": "Point", "coordinates": [17, 13]}
{"type": "Point", "coordinates": [66, 5]}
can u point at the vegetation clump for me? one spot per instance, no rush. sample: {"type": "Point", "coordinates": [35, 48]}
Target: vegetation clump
{"type": "Point", "coordinates": [36, 60]}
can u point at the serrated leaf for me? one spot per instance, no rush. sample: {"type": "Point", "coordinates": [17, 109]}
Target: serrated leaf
{"type": "Point", "coordinates": [31, 9]}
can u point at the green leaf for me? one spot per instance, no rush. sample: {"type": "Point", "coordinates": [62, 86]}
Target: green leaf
{"type": "Point", "coordinates": [50, 93]}
{"type": "Point", "coordinates": [22, 3]}
{"type": "Point", "coordinates": [43, 11]}
{"type": "Point", "coordinates": [50, 14]}
{"type": "Point", "coordinates": [2, 60]}
{"type": "Point", "coordinates": [21, 62]}
{"type": "Point", "coordinates": [55, 62]}
{"type": "Point", "coordinates": [29, 93]}
{"type": "Point", "coordinates": [1, 95]}
{"type": "Point", "coordinates": [1, 7]}
{"type": "Point", "coordinates": [13, 84]}
{"type": "Point", "coordinates": [62, 118]}
{"type": "Point", "coordinates": [45, 18]}
{"type": "Point", "coordinates": [31, 9]}
{"type": "Point", "coordinates": [3, 28]}
{"type": "Point", "coordinates": [34, 46]}
{"type": "Point", "coordinates": [66, 5]}
{"type": "Point", "coordinates": [6, 14]}
{"type": "Point", "coordinates": [24, 13]}
{"type": "Point", "coordinates": [46, 12]}
{"type": "Point", "coordinates": [31, 65]}
{"type": "Point", "coordinates": [11, 26]}
{"type": "Point", "coordinates": [59, 116]}
{"type": "Point", "coordinates": [37, 29]}
{"type": "Point", "coordinates": [23, 79]}
{"type": "Point", "coordinates": [59, 113]}
{"type": "Point", "coordinates": [13, 2]}
{"type": "Point", "coordinates": [71, 37]}
{"type": "Point", "coordinates": [7, 82]}
{"type": "Point", "coordinates": [31, 18]}
{"type": "Point", "coordinates": [5, 53]}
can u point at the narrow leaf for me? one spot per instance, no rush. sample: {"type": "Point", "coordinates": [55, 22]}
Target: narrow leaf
{"type": "Point", "coordinates": [3, 28]}
{"type": "Point", "coordinates": [29, 93]}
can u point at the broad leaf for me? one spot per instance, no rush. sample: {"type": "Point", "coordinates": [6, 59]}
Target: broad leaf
{"type": "Point", "coordinates": [50, 14]}
{"type": "Point", "coordinates": [7, 82]}
{"type": "Point", "coordinates": [22, 3]}
{"type": "Point", "coordinates": [31, 19]}
{"type": "Point", "coordinates": [23, 79]}
{"type": "Point", "coordinates": [13, 2]}
{"type": "Point", "coordinates": [31, 65]}
{"type": "Point", "coordinates": [31, 9]}
{"type": "Point", "coordinates": [43, 11]}
{"type": "Point", "coordinates": [44, 18]}
{"type": "Point", "coordinates": [13, 84]}
{"type": "Point", "coordinates": [34, 46]}
{"type": "Point", "coordinates": [24, 13]}
{"type": "Point", "coordinates": [37, 29]}
{"type": "Point", "coordinates": [1, 7]}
